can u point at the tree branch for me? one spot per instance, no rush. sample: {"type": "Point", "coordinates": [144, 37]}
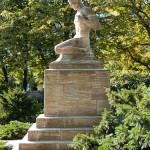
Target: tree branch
{"type": "Point", "coordinates": [136, 59]}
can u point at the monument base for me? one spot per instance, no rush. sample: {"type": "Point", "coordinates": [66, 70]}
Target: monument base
{"type": "Point", "coordinates": [75, 92]}
{"type": "Point", "coordinates": [74, 100]}
{"type": "Point", "coordinates": [55, 133]}
{"type": "Point", "coordinates": [83, 61]}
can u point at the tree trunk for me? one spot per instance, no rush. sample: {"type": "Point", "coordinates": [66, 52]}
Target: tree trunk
{"type": "Point", "coordinates": [5, 74]}
{"type": "Point", "coordinates": [25, 81]}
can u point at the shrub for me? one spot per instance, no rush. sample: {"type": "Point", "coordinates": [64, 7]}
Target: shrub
{"type": "Point", "coordinates": [13, 130]}
{"type": "Point", "coordinates": [16, 105]}
{"type": "Point", "coordinates": [125, 127]}
{"type": "Point", "coordinates": [2, 145]}
{"type": "Point", "coordinates": [129, 80]}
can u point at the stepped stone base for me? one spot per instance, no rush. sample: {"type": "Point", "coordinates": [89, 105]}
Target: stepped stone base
{"type": "Point", "coordinates": [36, 134]}
{"type": "Point", "coordinates": [25, 144]}
{"type": "Point", "coordinates": [74, 100]}
{"type": "Point", "coordinates": [67, 121]}
{"type": "Point", "coordinates": [55, 133]}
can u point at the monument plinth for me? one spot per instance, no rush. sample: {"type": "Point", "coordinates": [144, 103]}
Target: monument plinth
{"type": "Point", "coordinates": [75, 57]}
{"type": "Point", "coordinates": [74, 99]}
{"type": "Point", "coordinates": [74, 92]}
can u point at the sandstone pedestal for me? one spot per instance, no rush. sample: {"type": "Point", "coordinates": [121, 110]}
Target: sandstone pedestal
{"type": "Point", "coordinates": [75, 92]}
{"type": "Point", "coordinates": [74, 99]}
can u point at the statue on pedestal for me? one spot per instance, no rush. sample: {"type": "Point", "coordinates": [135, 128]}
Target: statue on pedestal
{"type": "Point", "coordinates": [84, 20]}
{"type": "Point", "coordinates": [76, 52]}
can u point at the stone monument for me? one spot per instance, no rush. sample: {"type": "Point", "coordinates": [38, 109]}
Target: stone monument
{"type": "Point", "coordinates": [74, 93]}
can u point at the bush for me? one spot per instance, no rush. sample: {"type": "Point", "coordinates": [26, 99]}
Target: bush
{"type": "Point", "coordinates": [129, 80]}
{"type": "Point", "coordinates": [2, 145]}
{"type": "Point", "coordinates": [125, 127]}
{"type": "Point", "coordinates": [16, 105]}
{"type": "Point", "coordinates": [13, 130]}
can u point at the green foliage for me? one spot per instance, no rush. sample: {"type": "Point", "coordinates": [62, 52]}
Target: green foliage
{"type": "Point", "coordinates": [129, 79]}
{"type": "Point", "coordinates": [84, 142]}
{"type": "Point", "coordinates": [16, 105]}
{"type": "Point", "coordinates": [29, 31]}
{"type": "Point", "coordinates": [125, 127]}
{"type": "Point", "coordinates": [131, 111]}
{"type": "Point", "coordinates": [124, 41]}
{"type": "Point", "coordinates": [13, 130]}
{"type": "Point", "coordinates": [2, 145]}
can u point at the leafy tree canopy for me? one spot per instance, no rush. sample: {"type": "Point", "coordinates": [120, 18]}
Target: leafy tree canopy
{"type": "Point", "coordinates": [30, 29]}
{"type": "Point", "coordinates": [124, 41]}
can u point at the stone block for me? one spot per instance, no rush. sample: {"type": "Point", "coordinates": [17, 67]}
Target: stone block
{"type": "Point", "coordinates": [25, 144]}
{"type": "Point", "coordinates": [74, 91]}
{"type": "Point", "coordinates": [77, 108]}
{"type": "Point", "coordinates": [45, 134]}
{"type": "Point", "coordinates": [67, 121]}
{"type": "Point", "coordinates": [101, 105]}
{"type": "Point", "coordinates": [74, 100]}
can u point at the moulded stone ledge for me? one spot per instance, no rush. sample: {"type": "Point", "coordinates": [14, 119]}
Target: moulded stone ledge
{"type": "Point", "coordinates": [25, 144]}
{"type": "Point", "coordinates": [44, 134]}
{"type": "Point", "coordinates": [67, 121]}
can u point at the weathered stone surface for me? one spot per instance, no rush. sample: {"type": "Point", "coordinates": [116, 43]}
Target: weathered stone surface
{"type": "Point", "coordinates": [72, 107]}
{"type": "Point", "coordinates": [74, 101]}
{"type": "Point", "coordinates": [101, 105]}
{"type": "Point", "coordinates": [75, 92]}
{"type": "Point", "coordinates": [61, 145]}
{"type": "Point", "coordinates": [44, 134]}
{"type": "Point", "coordinates": [67, 121]}
{"type": "Point", "coordinates": [76, 61]}
{"type": "Point", "coordinates": [25, 144]}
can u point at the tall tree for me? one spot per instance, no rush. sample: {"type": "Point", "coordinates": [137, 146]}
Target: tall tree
{"type": "Point", "coordinates": [30, 29]}
{"type": "Point", "coordinates": [124, 41]}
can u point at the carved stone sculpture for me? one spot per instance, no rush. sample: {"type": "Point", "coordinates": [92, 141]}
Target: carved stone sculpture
{"type": "Point", "coordinates": [78, 48]}
{"type": "Point", "coordinates": [74, 90]}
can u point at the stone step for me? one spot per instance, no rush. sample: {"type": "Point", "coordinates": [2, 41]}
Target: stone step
{"type": "Point", "coordinates": [35, 134]}
{"type": "Point", "coordinates": [25, 144]}
{"type": "Point", "coordinates": [67, 121]}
